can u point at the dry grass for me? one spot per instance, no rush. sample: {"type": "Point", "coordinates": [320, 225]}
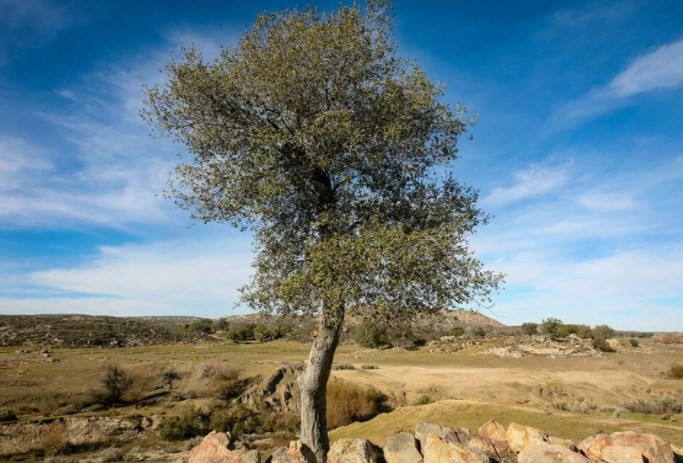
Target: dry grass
{"type": "Point", "coordinates": [55, 439]}
{"type": "Point", "coordinates": [668, 338]}
{"type": "Point", "coordinates": [347, 402]}
{"type": "Point", "coordinates": [676, 371]}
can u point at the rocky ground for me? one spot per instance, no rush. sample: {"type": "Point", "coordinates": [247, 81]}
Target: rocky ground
{"type": "Point", "coordinates": [434, 443]}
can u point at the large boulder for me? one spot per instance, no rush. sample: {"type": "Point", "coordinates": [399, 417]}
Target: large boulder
{"type": "Point", "coordinates": [438, 450]}
{"type": "Point", "coordinates": [549, 453]}
{"type": "Point", "coordinates": [296, 453]}
{"type": "Point", "coordinates": [214, 449]}
{"type": "Point", "coordinates": [519, 436]}
{"type": "Point", "coordinates": [402, 448]}
{"type": "Point", "coordinates": [486, 446]}
{"type": "Point", "coordinates": [495, 433]}
{"type": "Point", "coordinates": [626, 447]}
{"type": "Point", "coordinates": [447, 433]}
{"type": "Point", "coordinates": [354, 451]}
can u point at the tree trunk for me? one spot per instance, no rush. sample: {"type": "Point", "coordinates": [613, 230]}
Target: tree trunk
{"type": "Point", "coordinates": [313, 385]}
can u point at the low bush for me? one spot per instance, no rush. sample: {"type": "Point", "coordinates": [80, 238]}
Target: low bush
{"type": "Point", "coordinates": [190, 422]}
{"type": "Point", "coordinates": [263, 333]}
{"type": "Point", "coordinates": [478, 332]}
{"type": "Point", "coordinates": [348, 402]}
{"type": "Point", "coordinates": [344, 366]}
{"type": "Point", "coordinates": [110, 455]}
{"type": "Point", "coordinates": [602, 345]}
{"type": "Point", "coordinates": [242, 332]}
{"type": "Point", "coordinates": [7, 414]}
{"type": "Point", "coordinates": [369, 367]}
{"type": "Point", "coordinates": [203, 326]}
{"type": "Point", "coordinates": [114, 383]}
{"type": "Point", "coordinates": [669, 338]}
{"type": "Point", "coordinates": [55, 439]}
{"type": "Point", "coordinates": [228, 384]}
{"type": "Point", "coordinates": [655, 406]}
{"type": "Point", "coordinates": [371, 335]}
{"type": "Point", "coordinates": [676, 371]}
{"type": "Point", "coordinates": [551, 326]}
{"type": "Point", "coordinates": [529, 328]}
{"type": "Point", "coordinates": [456, 331]}
{"type": "Point", "coordinates": [576, 406]}
{"type": "Point", "coordinates": [424, 400]}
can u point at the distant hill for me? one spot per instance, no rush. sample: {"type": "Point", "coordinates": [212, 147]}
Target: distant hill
{"type": "Point", "coordinates": [95, 331]}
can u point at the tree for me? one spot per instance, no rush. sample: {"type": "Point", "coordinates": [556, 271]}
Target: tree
{"type": "Point", "coordinates": [530, 328]}
{"type": "Point", "coordinates": [336, 153]}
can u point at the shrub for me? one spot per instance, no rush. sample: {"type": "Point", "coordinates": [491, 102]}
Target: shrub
{"type": "Point", "coordinates": [7, 414]}
{"type": "Point", "coordinates": [601, 344]}
{"type": "Point", "coordinates": [203, 326]}
{"type": "Point", "coordinates": [170, 377]}
{"type": "Point", "coordinates": [634, 342]}
{"type": "Point", "coordinates": [478, 332]}
{"type": "Point", "coordinates": [669, 338]}
{"type": "Point", "coordinates": [456, 331]}
{"type": "Point", "coordinates": [190, 422]}
{"type": "Point", "coordinates": [676, 371]}
{"type": "Point", "coordinates": [369, 367]}
{"type": "Point", "coordinates": [344, 366]}
{"type": "Point", "coordinates": [228, 384]}
{"type": "Point", "coordinates": [114, 383]}
{"type": "Point", "coordinates": [529, 328]}
{"type": "Point", "coordinates": [603, 331]}
{"type": "Point", "coordinates": [55, 439]}
{"type": "Point", "coordinates": [241, 332]}
{"type": "Point", "coordinates": [371, 335]}
{"type": "Point", "coordinates": [220, 324]}
{"type": "Point", "coordinates": [262, 333]}
{"type": "Point", "coordinates": [655, 406]}
{"type": "Point", "coordinates": [424, 400]}
{"type": "Point", "coordinates": [584, 332]}
{"type": "Point", "coordinates": [110, 455]}
{"type": "Point", "coordinates": [551, 326]}
{"type": "Point", "coordinates": [240, 419]}
{"type": "Point", "coordinates": [565, 330]}
{"type": "Point", "coordinates": [348, 402]}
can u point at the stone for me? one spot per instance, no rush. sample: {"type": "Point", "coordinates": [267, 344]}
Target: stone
{"type": "Point", "coordinates": [447, 433]}
{"type": "Point", "coordinates": [296, 453]}
{"type": "Point", "coordinates": [495, 433]}
{"type": "Point", "coordinates": [564, 443]}
{"type": "Point", "coordinates": [486, 446]}
{"type": "Point", "coordinates": [629, 446]}
{"type": "Point", "coordinates": [519, 436]}
{"type": "Point", "coordinates": [354, 451]}
{"type": "Point", "coordinates": [248, 456]}
{"type": "Point", "coordinates": [549, 453]}
{"type": "Point", "coordinates": [402, 448]}
{"type": "Point", "coordinates": [438, 450]}
{"type": "Point", "coordinates": [214, 449]}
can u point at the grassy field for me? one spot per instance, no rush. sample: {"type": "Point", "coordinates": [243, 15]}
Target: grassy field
{"type": "Point", "coordinates": [567, 397]}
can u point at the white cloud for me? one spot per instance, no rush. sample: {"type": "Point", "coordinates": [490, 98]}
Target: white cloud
{"type": "Point", "coordinates": [662, 68]}
{"type": "Point", "coordinates": [533, 181]}
{"type": "Point", "coordinates": [657, 70]}
{"type": "Point", "coordinates": [199, 275]}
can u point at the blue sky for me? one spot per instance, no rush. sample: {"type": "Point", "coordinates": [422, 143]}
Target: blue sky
{"type": "Point", "coordinates": [578, 154]}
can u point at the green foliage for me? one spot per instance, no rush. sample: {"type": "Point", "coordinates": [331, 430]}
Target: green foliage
{"type": "Point", "coordinates": [242, 332]}
{"type": "Point", "coordinates": [424, 400]}
{"type": "Point", "coordinates": [529, 328]}
{"type": "Point", "coordinates": [114, 382]}
{"type": "Point", "coordinates": [551, 326]}
{"type": "Point", "coordinates": [314, 133]}
{"type": "Point", "coordinates": [7, 414]}
{"type": "Point", "coordinates": [263, 333]}
{"type": "Point", "coordinates": [456, 331]}
{"type": "Point", "coordinates": [190, 422]}
{"type": "Point", "coordinates": [478, 332]}
{"type": "Point", "coordinates": [220, 324]}
{"type": "Point", "coordinates": [564, 330]}
{"type": "Point", "coordinates": [204, 326]}
{"type": "Point", "coordinates": [603, 332]}
{"type": "Point", "coordinates": [371, 335]}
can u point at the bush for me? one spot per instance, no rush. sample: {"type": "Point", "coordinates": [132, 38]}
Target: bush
{"type": "Point", "coordinates": [603, 331]}
{"type": "Point", "coordinates": [7, 414]}
{"type": "Point", "coordinates": [220, 324]}
{"type": "Point", "coordinates": [369, 367]}
{"type": "Point", "coordinates": [601, 344]}
{"type": "Point", "coordinates": [262, 333]}
{"type": "Point", "coordinates": [55, 439]}
{"type": "Point", "coordinates": [170, 377]}
{"type": "Point", "coordinates": [478, 332]}
{"type": "Point", "coordinates": [348, 402]}
{"type": "Point", "coordinates": [551, 326]}
{"type": "Point", "coordinates": [655, 406]}
{"type": "Point", "coordinates": [456, 331]}
{"type": "Point", "coordinates": [634, 342]}
{"type": "Point", "coordinates": [242, 332]}
{"type": "Point", "coordinates": [110, 455]}
{"type": "Point", "coordinates": [424, 400]}
{"type": "Point", "coordinates": [114, 382]}
{"type": "Point", "coordinates": [190, 422]}
{"type": "Point", "coordinates": [344, 366]}
{"type": "Point", "coordinates": [565, 330]}
{"type": "Point", "coordinates": [240, 419]}
{"type": "Point", "coordinates": [676, 371]}
{"type": "Point", "coordinates": [529, 328]}
{"type": "Point", "coordinates": [371, 335]}
{"type": "Point", "coordinates": [203, 326]}
{"type": "Point", "coordinates": [228, 384]}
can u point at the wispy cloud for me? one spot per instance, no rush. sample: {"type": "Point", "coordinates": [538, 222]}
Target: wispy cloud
{"type": "Point", "coordinates": [656, 70]}
{"type": "Point", "coordinates": [530, 182]}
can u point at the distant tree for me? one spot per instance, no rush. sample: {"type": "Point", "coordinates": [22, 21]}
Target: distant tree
{"type": "Point", "coordinates": [530, 328]}
{"type": "Point", "coordinates": [115, 382]}
{"type": "Point", "coordinates": [336, 153]}
{"type": "Point", "coordinates": [551, 326]}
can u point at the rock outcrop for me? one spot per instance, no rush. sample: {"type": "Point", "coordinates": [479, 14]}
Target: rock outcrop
{"type": "Point", "coordinates": [435, 443]}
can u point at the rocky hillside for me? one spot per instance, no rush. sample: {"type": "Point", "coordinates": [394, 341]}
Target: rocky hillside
{"type": "Point", "coordinates": [434, 443]}
{"type": "Point", "coordinates": [93, 331]}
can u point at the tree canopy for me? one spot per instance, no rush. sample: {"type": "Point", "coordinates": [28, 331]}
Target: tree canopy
{"type": "Point", "coordinates": [337, 153]}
